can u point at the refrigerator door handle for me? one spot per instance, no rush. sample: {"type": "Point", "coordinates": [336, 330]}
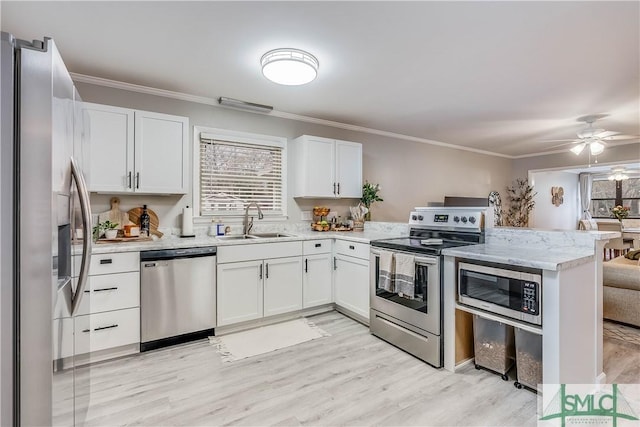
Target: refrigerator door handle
{"type": "Point", "coordinates": [85, 208]}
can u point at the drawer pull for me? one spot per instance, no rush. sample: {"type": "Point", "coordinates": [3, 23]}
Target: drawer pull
{"type": "Point", "coordinates": [306, 266]}
{"type": "Point", "coordinates": [105, 327]}
{"type": "Point", "coordinates": [318, 245]}
{"type": "Point", "coordinates": [352, 247]}
{"type": "Point", "coordinates": [106, 261]}
{"type": "Point", "coordinates": [105, 289]}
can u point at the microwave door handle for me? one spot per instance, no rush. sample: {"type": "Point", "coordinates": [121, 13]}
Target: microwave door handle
{"type": "Point", "coordinates": [85, 208]}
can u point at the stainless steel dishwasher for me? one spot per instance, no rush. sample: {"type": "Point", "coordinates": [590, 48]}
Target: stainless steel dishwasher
{"type": "Point", "coordinates": [177, 296]}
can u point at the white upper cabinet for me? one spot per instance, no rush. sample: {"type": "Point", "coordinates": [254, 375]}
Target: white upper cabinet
{"type": "Point", "coordinates": [327, 168]}
{"type": "Point", "coordinates": [137, 151]}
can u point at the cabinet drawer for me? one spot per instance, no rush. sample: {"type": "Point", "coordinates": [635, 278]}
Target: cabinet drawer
{"type": "Point", "coordinates": [312, 247]}
{"type": "Point", "coordinates": [109, 329]}
{"type": "Point", "coordinates": [254, 251]}
{"type": "Point", "coordinates": [113, 263]}
{"type": "Point", "coordinates": [111, 292]}
{"type": "Point", "coordinates": [358, 250]}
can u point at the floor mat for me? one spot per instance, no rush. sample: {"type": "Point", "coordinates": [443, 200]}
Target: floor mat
{"type": "Point", "coordinates": [241, 345]}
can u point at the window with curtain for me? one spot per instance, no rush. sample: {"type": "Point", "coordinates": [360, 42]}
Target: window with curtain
{"type": "Point", "coordinates": [233, 174]}
{"type": "Point", "coordinates": [606, 194]}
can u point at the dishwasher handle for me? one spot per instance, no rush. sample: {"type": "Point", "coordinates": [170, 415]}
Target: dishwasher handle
{"type": "Point", "coordinates": [167, 254]}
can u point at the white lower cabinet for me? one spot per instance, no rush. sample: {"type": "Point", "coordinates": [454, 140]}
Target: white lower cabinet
{"type": "Point", "coordinates": [351, 280]}
{"type": "Point", "coordinates": [317, 286]}
{"type": "Point", "coordinates": [282, 285]}
{"type": "Point", "coordinates": [239, 292]}
{"type": "Point", "coordinates": [250, 288]}
{"type": "Point", "coordinates": [109, 313]}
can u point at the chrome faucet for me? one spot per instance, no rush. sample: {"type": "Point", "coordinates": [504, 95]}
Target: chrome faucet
{"type": "Point", "coordinates": [246, 225]}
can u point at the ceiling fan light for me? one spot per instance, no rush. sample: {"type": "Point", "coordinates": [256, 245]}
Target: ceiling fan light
{"type": "Point", "coordinates": [290, 67]}
{"type": "Point", "coordinates": [578, 148]}
{"type": "Point", "coordinates": [596, 148]}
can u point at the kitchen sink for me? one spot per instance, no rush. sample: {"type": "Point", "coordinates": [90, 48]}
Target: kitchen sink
{"type": "Point", "coordinates": [271, 235]}
{"type": "Point", "coordinates": [237, 237]}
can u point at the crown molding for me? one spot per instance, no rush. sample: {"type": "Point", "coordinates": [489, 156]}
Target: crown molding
{"type": "Point", "coordinates": [99, 81]}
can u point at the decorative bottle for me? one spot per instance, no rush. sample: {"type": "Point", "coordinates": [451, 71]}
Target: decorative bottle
{"type": "Point", "coordinates": [144, 222]}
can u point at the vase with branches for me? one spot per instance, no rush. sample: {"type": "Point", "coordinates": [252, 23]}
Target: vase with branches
{"type": "Point", "coordinates": [520, 203]}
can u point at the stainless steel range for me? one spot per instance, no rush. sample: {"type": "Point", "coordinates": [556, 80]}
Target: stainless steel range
{"type": "Point", "coordinates": [406, 278]}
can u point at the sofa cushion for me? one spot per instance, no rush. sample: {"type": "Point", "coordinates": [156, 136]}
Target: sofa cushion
{"type": "Point", "coordinates": [622, 273]}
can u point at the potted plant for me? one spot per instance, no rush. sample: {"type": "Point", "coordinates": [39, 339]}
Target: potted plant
{"type": "Point", "coordinates": [370, 196]}
{"type": "Point", "coordinates": [107, 228]}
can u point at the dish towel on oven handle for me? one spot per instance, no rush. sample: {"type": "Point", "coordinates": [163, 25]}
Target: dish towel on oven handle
{"type": "Point", "coordinates": [405, 275]}
{"type": "Point", "coordinates": [385, 275]}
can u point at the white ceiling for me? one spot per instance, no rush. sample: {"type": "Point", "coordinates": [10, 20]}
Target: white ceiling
{"type": "Point", "coordinates": [497, 76]}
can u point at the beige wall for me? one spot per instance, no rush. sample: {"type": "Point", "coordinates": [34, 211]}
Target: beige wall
{"type": "Point", "coordinates": [410, 174]}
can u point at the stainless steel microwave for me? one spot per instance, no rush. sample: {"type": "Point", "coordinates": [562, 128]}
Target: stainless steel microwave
{"type": "Point", "coordinates": [510, 293]}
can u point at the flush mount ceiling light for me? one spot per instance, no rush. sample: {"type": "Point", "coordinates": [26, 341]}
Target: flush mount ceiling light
{"type": "Point", "coordinates": [289, 67]}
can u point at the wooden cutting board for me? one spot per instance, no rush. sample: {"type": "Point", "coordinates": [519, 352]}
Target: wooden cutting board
{"type": "Point", "coordinates": [115, 215]}
{"type": "Point", "coordinates": [154, 222]}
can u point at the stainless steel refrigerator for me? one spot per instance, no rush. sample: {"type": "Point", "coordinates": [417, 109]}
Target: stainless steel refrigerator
{"type": "Point", "coordinates": [43, 266]}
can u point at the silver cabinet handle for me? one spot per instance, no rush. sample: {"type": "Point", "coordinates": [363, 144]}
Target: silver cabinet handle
{"type": "Point", "coordinates": [129, 179]}
{"type": "Point", "coordinates": [137, 179]}
{"type": "Point", "coordinates": [106, 289]}
{"type": "Point", "coordinates": [106, 261]}
{"type": "Point", "coordinates": [85, 208]}
{"type": "Point", "coordinates": [338, 188]}
{"type": "Point", "coordinates": [335, 263]}
{"type": "Point", "coordinates": [266, 274]}
{"type": "Point", "coordinates": [260, 271]}
{"type": "Point", "coordinates": [334, 188]}
{"type": "Point", "coordinates": [306, 265]}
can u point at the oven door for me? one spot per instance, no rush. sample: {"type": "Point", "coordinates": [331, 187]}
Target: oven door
{"type": "Point", "coordinates": [423, 309]}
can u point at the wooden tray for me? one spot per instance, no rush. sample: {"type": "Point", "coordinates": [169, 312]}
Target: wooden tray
{"type": "Point", "coordinates": [154, 222]}
{"type": "Point", "coordinates": [125, 239]}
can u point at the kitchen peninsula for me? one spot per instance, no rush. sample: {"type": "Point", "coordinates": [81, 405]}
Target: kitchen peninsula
{"type": "Point", "coordinates": [571, 301]}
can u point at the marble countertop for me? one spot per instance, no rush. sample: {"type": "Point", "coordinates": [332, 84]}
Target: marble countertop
{"type": "Point", "coordinates": [541, 258]}
{"type": "Point", "coordinates": [174, 242]}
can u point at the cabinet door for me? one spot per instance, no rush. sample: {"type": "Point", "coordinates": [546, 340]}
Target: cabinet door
{"type": "Point", "coordinates": [161, 153]}
{"type": "Point", "coordinates": [282, 285]}
{"type": "Point", "coordinates": [110, 134]}
{"type": "Point", "coordinates": [316, 167]}
{"type": "Point", "coordinates": [349, 169]}
{"type": "Point", "coordinates": [239, 292]}
{"type": "Point", "coordinates": [351, 280]}
{"type": "Point", "coordinates": [316, 280]}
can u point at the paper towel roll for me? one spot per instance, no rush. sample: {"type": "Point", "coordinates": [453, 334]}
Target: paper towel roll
{"type": "Point", "coordinates": [187, 221]}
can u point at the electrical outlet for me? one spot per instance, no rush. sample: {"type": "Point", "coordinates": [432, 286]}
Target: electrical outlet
{"type": "Point", "coordinates": [305, 216]}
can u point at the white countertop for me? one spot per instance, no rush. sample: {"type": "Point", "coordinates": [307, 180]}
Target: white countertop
{"type": "Point", "coordinates": [172, 242]}
{"type": "Point", "coordinates": [541, 258]}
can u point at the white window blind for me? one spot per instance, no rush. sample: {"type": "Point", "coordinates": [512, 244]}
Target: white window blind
{"type": "Point", "coordinates": [233, 174]}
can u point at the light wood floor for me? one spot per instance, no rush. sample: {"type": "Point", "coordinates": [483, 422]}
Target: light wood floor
{"type": "Point", "coordinates": [350, 378]}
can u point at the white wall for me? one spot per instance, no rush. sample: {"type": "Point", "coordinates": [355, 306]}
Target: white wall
{"type": "Point", "coordinates": [545, 214]}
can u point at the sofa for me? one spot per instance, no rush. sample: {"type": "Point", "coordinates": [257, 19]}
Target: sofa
{"type": "Point", "coordinates": [621, 290]}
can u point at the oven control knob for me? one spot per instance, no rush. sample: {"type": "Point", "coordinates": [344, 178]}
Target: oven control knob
{"type": "Point", "coordinates": [464, 219]}
{"type": "Point", "coordinates": [420, 217]}
{"type": "Point", "coordinates": [472, 219]}
{"type": "Point", "coordinates": [413, 217]}
{"type": "Point", "coordinates": [456, 219]}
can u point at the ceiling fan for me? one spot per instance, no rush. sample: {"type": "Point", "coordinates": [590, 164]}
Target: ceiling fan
{"type": "Point", "coordinates": [593, 138]}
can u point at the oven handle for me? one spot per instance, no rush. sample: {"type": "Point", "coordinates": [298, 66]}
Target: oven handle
{"type": "Point", "coordinates": [417, 260]}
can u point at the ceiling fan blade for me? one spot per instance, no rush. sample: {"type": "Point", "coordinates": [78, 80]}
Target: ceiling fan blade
{"type": "Point", "coordinates": [566, 144]}
{"type": "Point", "coordinates": [606, 134]}
{"type": "Point", "coordinates": [620, 137]}
{"type": "Point", "coordinates": [546, 141]}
